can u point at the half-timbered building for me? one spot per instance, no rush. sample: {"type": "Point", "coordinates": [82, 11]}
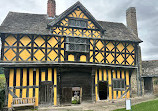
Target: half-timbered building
{"type": "Point", "coordinates": [53, 57]}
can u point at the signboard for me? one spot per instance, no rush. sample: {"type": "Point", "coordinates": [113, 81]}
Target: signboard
{"type": "Point", "coordinates": [128, 104]}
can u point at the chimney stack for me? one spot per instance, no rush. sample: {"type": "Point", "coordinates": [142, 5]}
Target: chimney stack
{"type": "Point", "coordinates": [132, 20]}
{"type": "Point", "coordinates": [51, 8]}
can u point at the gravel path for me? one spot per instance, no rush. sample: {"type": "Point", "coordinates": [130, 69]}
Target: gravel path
{"type": "Point", "coordinates": [99, 105]}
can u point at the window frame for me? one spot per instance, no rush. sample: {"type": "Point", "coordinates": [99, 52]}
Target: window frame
{"type": "Point", "coordinates": [86, 45]}
{"type": "Point", "coordinates": [77, 19]}
{"type": "Point", "coordinates": [120, 81]}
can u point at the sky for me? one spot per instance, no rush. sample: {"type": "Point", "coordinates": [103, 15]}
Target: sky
{"type": "Point", "coordinates": [105, 10]}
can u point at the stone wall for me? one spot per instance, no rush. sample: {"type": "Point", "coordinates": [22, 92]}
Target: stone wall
{"type": "Point", "coordinates": [136, 81]}
{"type": "Point", "coordinates": [155, 86]}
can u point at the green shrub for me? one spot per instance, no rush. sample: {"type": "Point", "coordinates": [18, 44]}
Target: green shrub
{"type": "Point", "coordinates": [2, 82]}
{"type": "Point", "coordinates": [2, 91]}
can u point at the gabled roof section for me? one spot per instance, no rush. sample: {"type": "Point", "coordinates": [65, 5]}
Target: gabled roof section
{"type": "Point", "coordinates": [73, 7]}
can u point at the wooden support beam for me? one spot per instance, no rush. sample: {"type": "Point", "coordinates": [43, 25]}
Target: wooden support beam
{"type": "Point", "coordinates": [55, 87]}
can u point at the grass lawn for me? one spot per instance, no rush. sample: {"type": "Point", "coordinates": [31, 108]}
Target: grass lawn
{"type": "Point", "coordinates": [145, 106]}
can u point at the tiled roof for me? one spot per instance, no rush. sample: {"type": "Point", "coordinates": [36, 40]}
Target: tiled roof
{"type": "Point", "coordinates": [150, 68]}
{"type": "Point", "coordinates": [26, 23]}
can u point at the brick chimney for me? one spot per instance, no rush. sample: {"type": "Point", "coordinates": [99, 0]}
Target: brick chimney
{"type": "Point", "coordinates": [132, 20]}
{"type": "Point", "coordinates": [51, 8]}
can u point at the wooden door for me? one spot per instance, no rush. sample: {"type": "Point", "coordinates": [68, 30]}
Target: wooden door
{"type": "Point", "coordinates": [66, 95]}
{"type": "Point", "coordinates": [46, 92]}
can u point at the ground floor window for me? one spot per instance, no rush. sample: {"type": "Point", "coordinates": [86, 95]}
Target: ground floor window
{"type": "Point", "coordinates": [118, 84]}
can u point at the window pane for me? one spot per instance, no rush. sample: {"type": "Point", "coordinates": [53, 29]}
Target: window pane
{"type": "Point", "coordinates": [77, 40]}
{"type": "Point", "coordinates": [87, 41]}
{"type": "Point", "coordinates": [114, 84]}
{"type": "Point", "coordinates": [83, 40]}
{"type": "Point", "coordinates": [78, 23]}
{"type": "Point", "coordinates": [123, 84]}
{"type": "Point", "coordinates": [72, 22]}
{"type": "Point", "coordinates": [118, 84]}
{"type": "Point", "coordinates": [72, 47]}
{"type": "Point", "coordinates": [67, 46]}
{"type": "Point", "coordinates": [77, 47]}
{"type": "Point", "coordinates": [87, 48]}
{"type": "Point", "coordinates": [67, 39]}
{"type": "Point", "coordinates": [71, 39]}
{"type": "Point", "coordinates": [83, 24]}
{"type": "Point", "coordinates": [82, 47]}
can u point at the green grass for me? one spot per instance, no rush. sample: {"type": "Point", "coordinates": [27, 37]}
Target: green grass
{"type": "Point", "coordinates": [145, 106]}
{"type": "Point", "coordinates": [78, 110]}
{"type": "Point", "coordinates": [2, 75]}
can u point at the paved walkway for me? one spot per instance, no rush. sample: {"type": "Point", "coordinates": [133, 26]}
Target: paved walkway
{"type": "Point", "coordinates": [99, 105]}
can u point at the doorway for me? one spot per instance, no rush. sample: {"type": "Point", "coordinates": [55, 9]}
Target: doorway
{"type": "Point", "coordinates": [72, 79]}
{"type": "Point", "coordinates": [148, 86]}
{"type": "Point", "coordinates": [71, 95]}
{"type": "Point", "coordinates": [103, 89]}
{"type": "Point", "coordinates": [46, 92]}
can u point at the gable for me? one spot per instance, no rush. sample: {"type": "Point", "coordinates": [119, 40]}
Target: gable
{"type": "Point", "coordinates": [79, 15]}
{"type": "Point", "coordinates": [77, 23]}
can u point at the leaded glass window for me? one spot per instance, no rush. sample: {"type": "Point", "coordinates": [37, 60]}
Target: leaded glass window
{"type": "Point", "coordinates": [77, 23]}
{"type": "Point", "coordinates": [77, 44]}
{"type": "Point", "coordinates": [118, 84]}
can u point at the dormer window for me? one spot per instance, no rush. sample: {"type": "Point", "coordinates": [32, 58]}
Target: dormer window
{"type": "Point", "coordinates": [78, 23]}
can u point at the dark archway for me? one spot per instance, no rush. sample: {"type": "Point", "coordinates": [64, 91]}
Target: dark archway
{"type": "Point", "coordinates": [103, 89]}
{"type": "Point", "coordinates": [77, 77]}
{"type": "Point", "coordinates": [148, 85]}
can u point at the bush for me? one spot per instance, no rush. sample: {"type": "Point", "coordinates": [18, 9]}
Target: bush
{"type": "Point", "coordinates": [2, 82]}
{"type": "Point", "coordinates": [2, 91]}
{"type": "Point", "coordinates": [2, 98]}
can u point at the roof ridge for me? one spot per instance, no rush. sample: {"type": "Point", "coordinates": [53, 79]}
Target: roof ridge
{"type": "Point", "coordinates": [149, 60]}
{"type": "Point", "coordinates": [110, 22]}
{"type": "Point", "coordinates": [26, 13]}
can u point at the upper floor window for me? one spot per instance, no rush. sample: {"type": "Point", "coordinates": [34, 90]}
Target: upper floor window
{"type": "Point", "coordinates": [77, 44]}
{"type": "Point", "coordinates": [78, 23]}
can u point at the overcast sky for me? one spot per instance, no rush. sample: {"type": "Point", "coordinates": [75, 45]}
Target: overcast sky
{"type": "Point", "coordinates": [107, 10]}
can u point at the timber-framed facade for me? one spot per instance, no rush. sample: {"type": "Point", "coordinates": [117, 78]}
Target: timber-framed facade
{"type": "Point", "coordinates": [47, 57]}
